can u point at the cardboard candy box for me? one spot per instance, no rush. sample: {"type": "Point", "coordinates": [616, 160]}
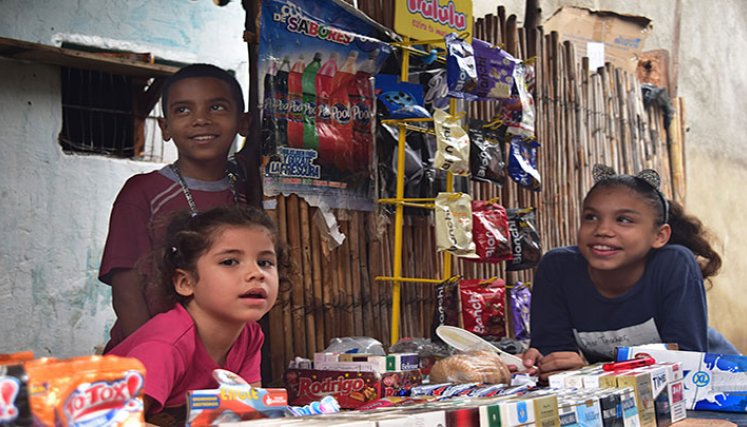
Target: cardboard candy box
{"type": "Point", "coordinates": [351, 389]}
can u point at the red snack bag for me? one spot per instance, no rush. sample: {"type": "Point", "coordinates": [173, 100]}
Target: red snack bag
{"type": "Point", "coordinates": [490, 231]}
{"type": "Point", "coordinates": [483, 307]}
{"type": "Point", "coordinates": [95, 390]}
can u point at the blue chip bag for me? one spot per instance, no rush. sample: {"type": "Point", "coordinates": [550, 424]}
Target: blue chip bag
{"type": "Point", "coordinates": [522, 162]}
{"type": "Point", "coordinates": [461, 67]}
{"type": "Point", "coordinates": [400, 100]}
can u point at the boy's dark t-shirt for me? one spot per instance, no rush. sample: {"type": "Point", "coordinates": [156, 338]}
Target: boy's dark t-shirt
{"type": "Point", "coordinates": [667, 305]}
{"type": "Point", "coordinates": [139, 216]}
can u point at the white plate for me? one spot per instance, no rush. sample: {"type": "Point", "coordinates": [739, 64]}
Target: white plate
{"type": "Point", "coordinates": [465, 340]}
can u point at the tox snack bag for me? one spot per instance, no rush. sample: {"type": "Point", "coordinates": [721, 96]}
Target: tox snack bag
{"type": "Point", "coordinates": [519, 303]}
{"type": "Point", "coordinates": [447, 306]}
{"type": "Point", "coordinates": [483, 307]}
{"type": "Point", "coordinates": [522, 163]}
{"type": "Point", "coordinates": [525, 241]}
{"type": "Point", "coordinates": [400, 100]}
{"type": "Point", "coordinates": [452, 153]}
{"type": "Point", "coordinates": [485, 153]}
{"type": "Point", "coordinates": [490, 231]}
{"type": "Point", "coordinates": [89, 390]}
{"type": "Point", "coordinates": [454, 224]}
{"type": "Point", "coordinates": [460, 65]}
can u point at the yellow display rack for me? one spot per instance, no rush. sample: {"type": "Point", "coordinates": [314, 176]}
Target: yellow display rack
{"type": "Point", "coordinates": [399, 201]}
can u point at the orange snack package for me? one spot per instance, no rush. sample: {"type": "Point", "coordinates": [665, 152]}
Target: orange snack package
{"type": "Point", "coordinates": [90, 390]}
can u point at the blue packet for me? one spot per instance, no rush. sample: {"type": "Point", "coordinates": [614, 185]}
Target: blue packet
{"type": "Point", "coordinates": [522, 162]}
{"type": "Point", "coordinates": [400, 100]}
{"type": "Point", "coordinates": [461, 67]}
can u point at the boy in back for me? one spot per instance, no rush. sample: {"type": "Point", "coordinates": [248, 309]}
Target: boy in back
{"type": "Point", "coordinates": [203, 109]}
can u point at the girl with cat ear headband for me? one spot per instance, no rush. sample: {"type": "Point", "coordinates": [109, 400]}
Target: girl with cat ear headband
{"type": "Point", "coordinates": [634, 277]}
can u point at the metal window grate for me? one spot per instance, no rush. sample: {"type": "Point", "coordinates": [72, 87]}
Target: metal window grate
{"type": "Point", "coordinates": [97, 113]}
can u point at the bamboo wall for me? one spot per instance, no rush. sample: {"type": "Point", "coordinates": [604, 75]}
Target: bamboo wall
{"type": "Point", "coordinates": [582, 118]}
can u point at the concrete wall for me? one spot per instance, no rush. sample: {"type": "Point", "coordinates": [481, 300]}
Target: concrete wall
{"type": "Point", "coordinates": [713, 84]}
{"type": "Point", "coordinates": [54, 207]}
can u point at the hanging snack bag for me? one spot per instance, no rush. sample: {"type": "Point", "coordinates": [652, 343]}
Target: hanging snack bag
{"type": "Point", "coordinates": [522, 163]}
{"type": "Point", "coordinates": [482, 307]}
{"type": "Point", "coordinates": [452, 153]}
{"type": "Point", "coordinates": [519, 303]}
{"type": "Point", "coordinates": [496, 69]}
{"type": "Point", "coordinates": [454, 224]}
{"type": "Point", "coordinates": [490, 231]}
{"type": "Point", "coordinates": [460, 65]}
{"type": "Point", "coordinates": [525, 241]}
{"type": "Point", "coordinates": [400, 100]}
{"type": "Point", "coordinates": [485, 154]}
{"type": "Point", "coordinates": [89, 390]}
{"type": "Point", "coordinates": [435, 88]}
{"type": "Point", "coordinates": [517, 112]}
{"type": "Point", "coordinates": [447, 306]}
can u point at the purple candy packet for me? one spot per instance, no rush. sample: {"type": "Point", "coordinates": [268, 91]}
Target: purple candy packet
{"type": "Point", "coordinates": [495, 71]}
{"type": "Point", "coordinates": [521, 299]}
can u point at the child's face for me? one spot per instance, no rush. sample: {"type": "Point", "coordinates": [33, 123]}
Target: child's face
{"type": "Point", "coordinates": [238, 277]}
{"type": "Point", "coordinates": [618, 230]}
{"type": "Point", "coordinates": [202, 118]}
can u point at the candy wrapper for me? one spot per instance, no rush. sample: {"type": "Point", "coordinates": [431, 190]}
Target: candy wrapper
{"type": "Point", "coordinates": [435, 87]}
{"type": "Point", "coordinates": [525, 241]}
{"type": "Point", "coordinates": [490, 231]}
{"type": "Point", "coordinates": [89, 390]}
{"type": "Point", "coordinates": [483, 311]}
{"type": "Point", "coordinates": [520, 302]}
{"type": "Point", "coordinates": [485, 153]}
{"type": "Point", "coordinates": [460, 63]}
{"type": "Point", "coordinates": [454, 224]}
{"type": "Point", "coordinates": [522, 163]}
{"type": "Point", "coordinates": [452, 153]}
{"type": "Point", "coordinates": [328, 405]}
{"type": "Point", "coordinates": [234, 400]}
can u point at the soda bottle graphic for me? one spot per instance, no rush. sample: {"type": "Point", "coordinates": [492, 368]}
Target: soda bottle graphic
{"type": "Point", "coordinates": [310, 139]}
{"type": "Point", "coordinates": [361, 93]}
{"type": "Point", "coordinates": [281, 103]}
{"type": "Point", "coordinates": [269, 142]}
{"type": "Point", "coordinates": [295, 104]}
{"type": "Point", "coordinates": [342, 125]}
{"type": "Point", "coordinates": [324, 109]}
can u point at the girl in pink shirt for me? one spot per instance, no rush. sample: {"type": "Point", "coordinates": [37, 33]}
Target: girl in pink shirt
{"type": "Point", "coordinates": [221, 270]}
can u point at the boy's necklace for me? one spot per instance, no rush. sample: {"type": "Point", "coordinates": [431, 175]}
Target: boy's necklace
{"type": "Point", "coordinates": [188, 194]}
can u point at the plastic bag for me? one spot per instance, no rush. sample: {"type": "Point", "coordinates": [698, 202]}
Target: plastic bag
{"type": "Point", "coordinates": [479, 366]}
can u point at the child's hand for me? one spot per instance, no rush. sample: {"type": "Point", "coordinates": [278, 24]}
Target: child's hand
{"type": "Point", "coordinates": [559, 361]}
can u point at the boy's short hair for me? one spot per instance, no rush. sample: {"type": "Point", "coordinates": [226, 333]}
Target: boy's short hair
{"type": "Point", "coordinates": [202, 70]}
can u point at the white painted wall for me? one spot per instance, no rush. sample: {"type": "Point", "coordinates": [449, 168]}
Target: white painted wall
{"type": "Point", "coordinates": [713, 84]}
{"type": "Point", "coordinates": [54, 207]}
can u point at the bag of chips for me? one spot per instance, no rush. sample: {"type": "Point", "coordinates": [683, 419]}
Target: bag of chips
{"type": "Point", "coordinates": [522, 163]}
{"type": "Point", "coordinates": [447, 306]}
{"type": "Point", "coordinates": [483, 307]}
{"type": "Point", "coordinates": [452, 153]}
{"type": "Point", "coordinates": [520, 302]}
{"type": "Point", "coordinates": [525, 241]}
{"type": "Point", "coordinates": [88, 390]}
{"type": "Point", "coordinates": [460, 65]}
{"type": "Point", "coordinates": [490, 231]}
{"type": "Point", "coordinates": [486, 154]}
{"type": "Point", "coordinates": [454, 224]}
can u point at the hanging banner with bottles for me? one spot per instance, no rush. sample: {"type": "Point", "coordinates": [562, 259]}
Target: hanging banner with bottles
{"type": "Point", "coordinates": [317, 61]}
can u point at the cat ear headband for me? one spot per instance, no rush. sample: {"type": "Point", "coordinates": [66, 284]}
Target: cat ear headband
{"type": "Point", "coordinates": [648, 176]}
